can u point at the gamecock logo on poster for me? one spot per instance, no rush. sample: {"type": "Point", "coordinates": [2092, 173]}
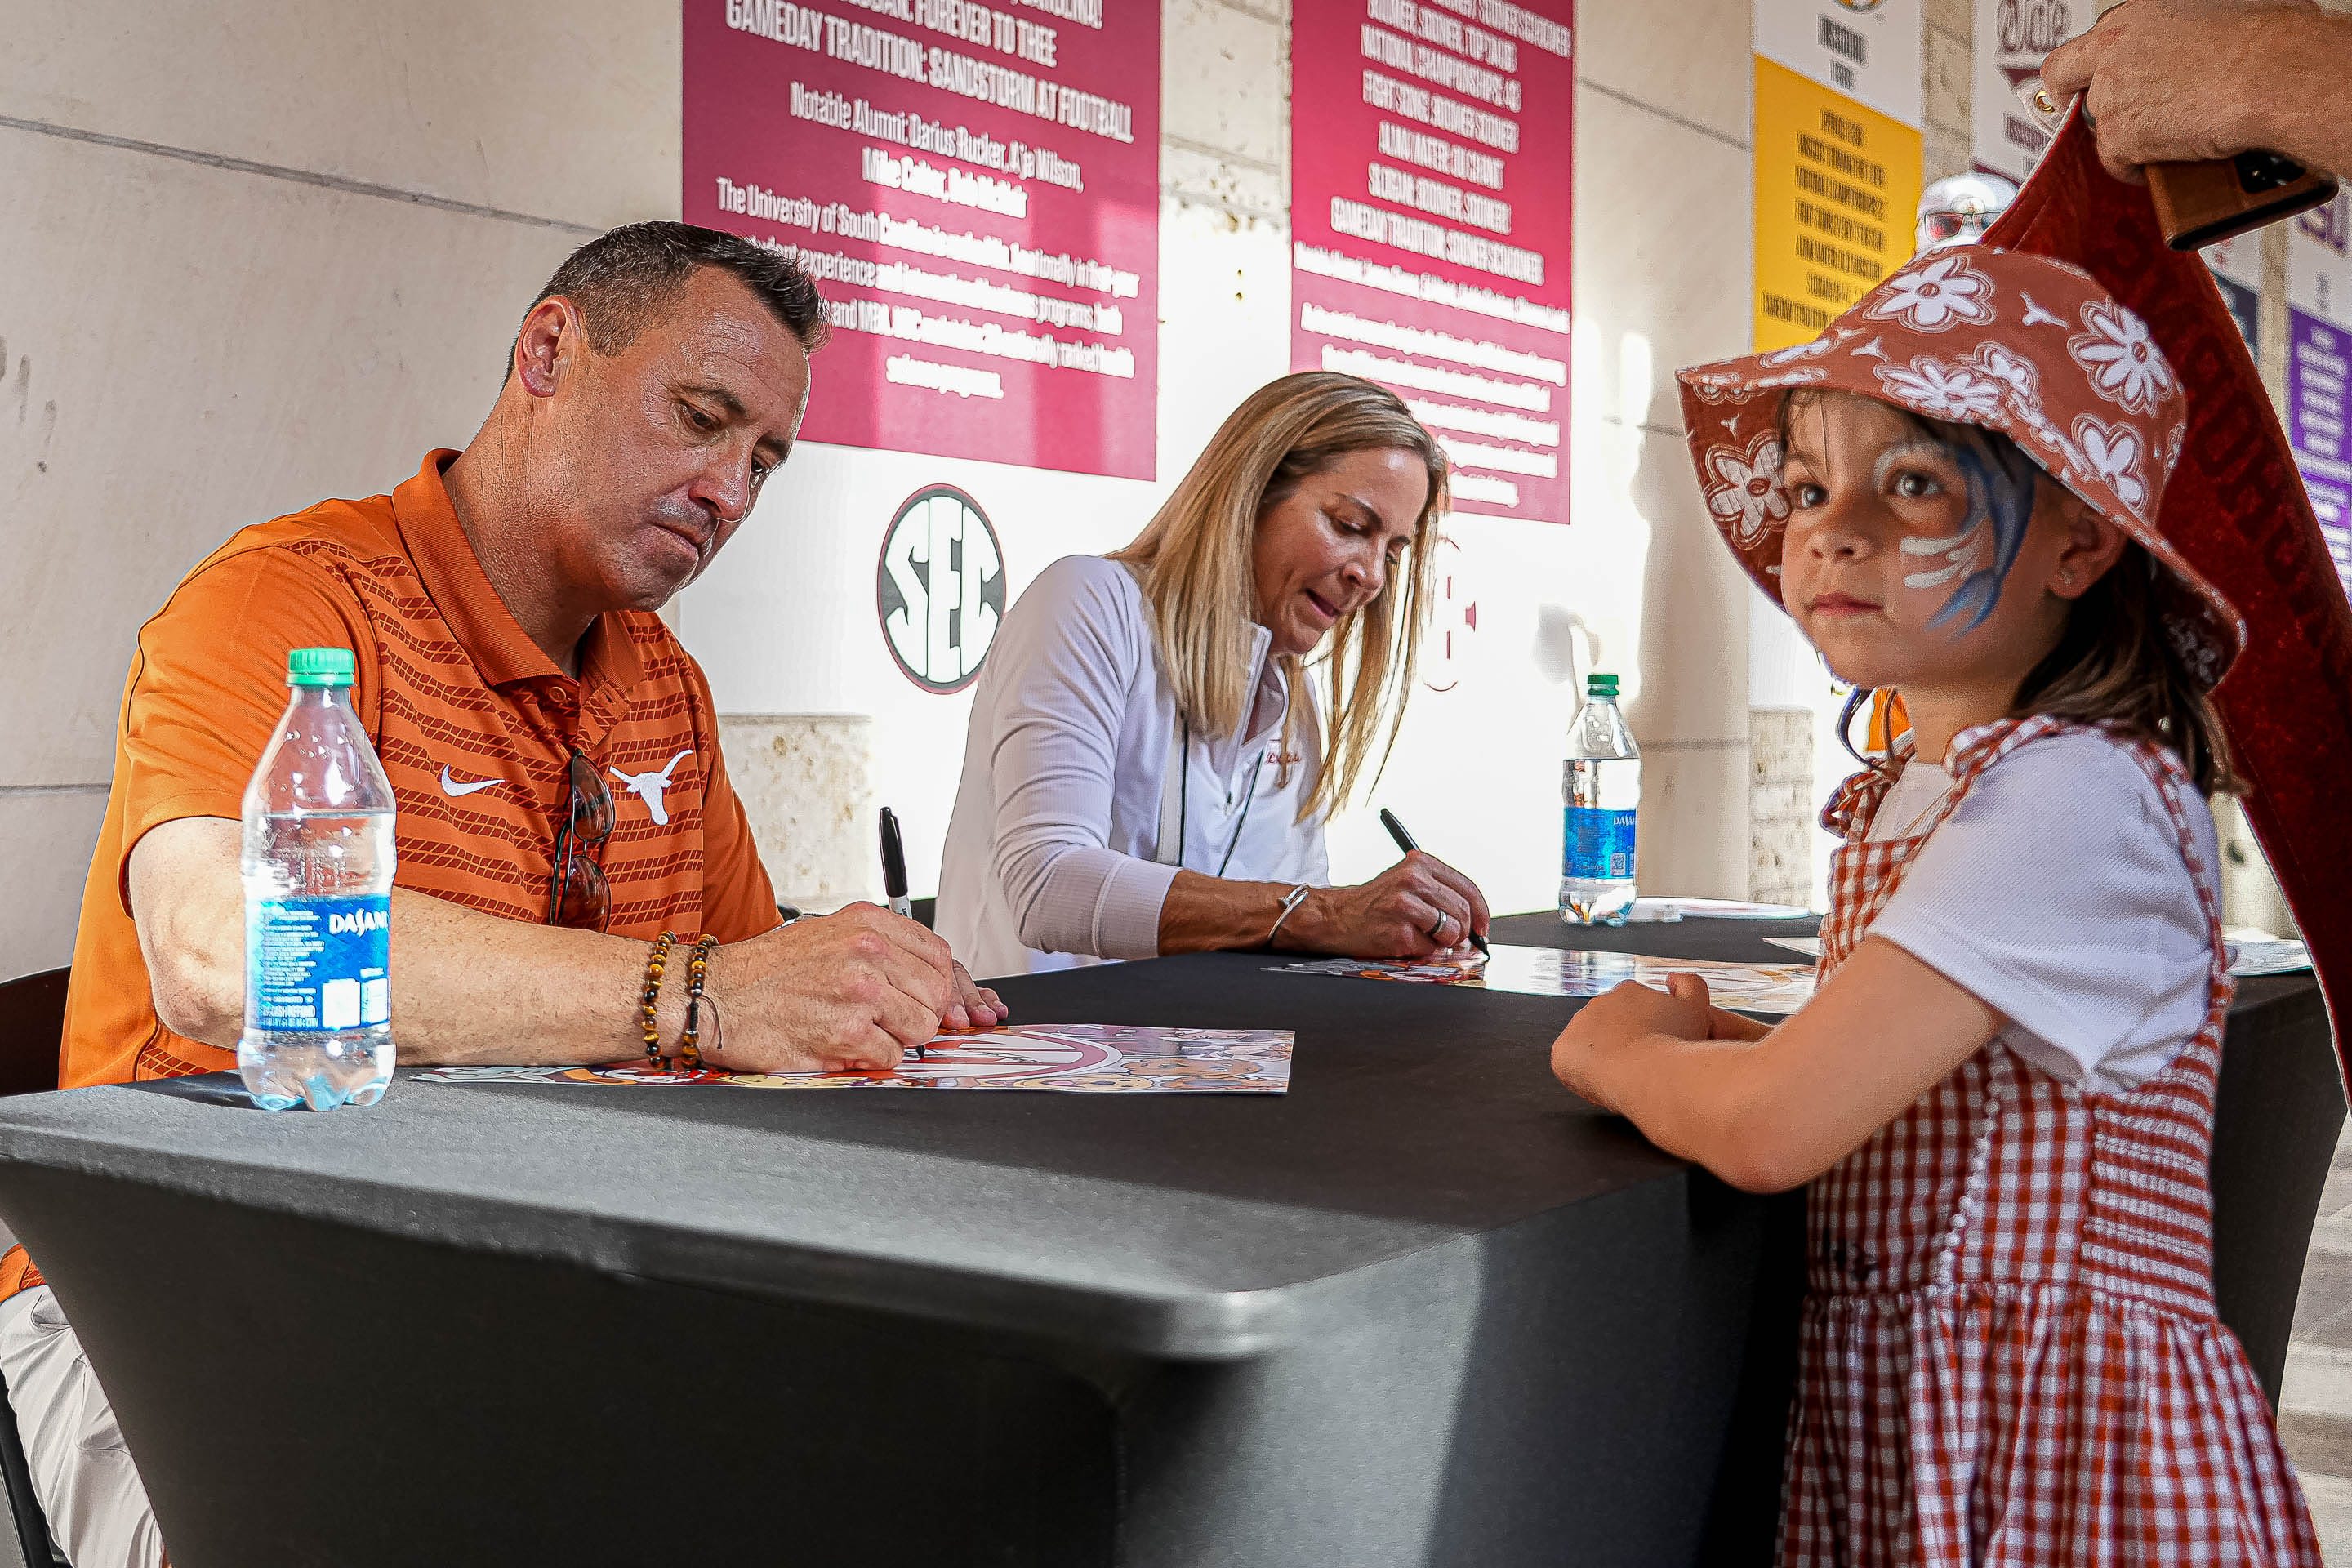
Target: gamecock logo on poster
{"type": "Point", "coordinates": [940, 588]}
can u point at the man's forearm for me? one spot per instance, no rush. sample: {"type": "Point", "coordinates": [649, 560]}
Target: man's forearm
{"type": "Point", "coordinates": [2296, 102]}
{"type": "Point", "coordinates": [466, 986]}
{"type": "Point", "coordinates": [832, 993]}
{"type": "Point", "coordinates": [470, 988]}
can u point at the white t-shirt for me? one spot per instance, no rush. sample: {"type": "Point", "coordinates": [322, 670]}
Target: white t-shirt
{"type": "Point", "coordinates": [2056, 893]}
{"type": "Point", "coordinates": [1053, 855]}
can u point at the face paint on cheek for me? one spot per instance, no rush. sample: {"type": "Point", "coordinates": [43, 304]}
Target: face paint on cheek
{"type": "Point", "coordinates": [2000, 504]}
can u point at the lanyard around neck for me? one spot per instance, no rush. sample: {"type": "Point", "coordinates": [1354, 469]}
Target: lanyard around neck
{"type": "Point", "coordinates": [1179, 762]}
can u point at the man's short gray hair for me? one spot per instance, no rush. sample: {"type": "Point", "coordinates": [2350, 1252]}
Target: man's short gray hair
{"type": "Point", "coordinates": [622, 280]}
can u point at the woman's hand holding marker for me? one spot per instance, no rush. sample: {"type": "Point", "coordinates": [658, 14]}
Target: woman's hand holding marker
{"type": "Point", "coordinates": [1419, 908]}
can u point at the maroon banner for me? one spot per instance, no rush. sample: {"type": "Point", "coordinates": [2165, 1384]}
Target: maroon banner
{"type": "Point", "coordinates": [1430, 180]}
{"type": "Point", "coordinates": [976, 189]}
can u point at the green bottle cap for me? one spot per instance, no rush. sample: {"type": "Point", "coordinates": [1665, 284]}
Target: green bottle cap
{"type": "Point", "coordinates": [1600, 686]}
{"type": "Point", "coordinates": [320, 667]}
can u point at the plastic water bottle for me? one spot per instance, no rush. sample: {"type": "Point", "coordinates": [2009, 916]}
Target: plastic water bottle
{"type": "Point", "coordinates": [1600, 788]}
{"type": "Point", "coordinates": [318, 865]}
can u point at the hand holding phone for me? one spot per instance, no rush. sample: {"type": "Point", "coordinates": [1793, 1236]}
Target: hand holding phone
{"type": "Point", "coordinates": [2204, 202]}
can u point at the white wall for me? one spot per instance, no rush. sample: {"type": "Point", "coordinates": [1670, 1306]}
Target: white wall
{"type": "Point", "coordinates": [254, 254]}
{"type": "Point", "coordinates": [251, 255]}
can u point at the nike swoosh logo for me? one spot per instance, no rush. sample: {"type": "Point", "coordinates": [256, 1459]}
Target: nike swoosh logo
{"type": "Point", "coordinates": [453, 789]}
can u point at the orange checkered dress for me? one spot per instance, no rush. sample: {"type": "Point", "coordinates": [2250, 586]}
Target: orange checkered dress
{"type": "Point", "coordinates": [2008, 1351]}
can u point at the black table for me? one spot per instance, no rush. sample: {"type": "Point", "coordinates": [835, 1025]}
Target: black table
{"type": "Point", "coordinates": [1427, 1307]}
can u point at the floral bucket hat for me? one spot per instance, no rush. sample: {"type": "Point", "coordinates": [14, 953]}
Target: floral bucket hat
{"type": "Point", "coordinates": [2023, 344]}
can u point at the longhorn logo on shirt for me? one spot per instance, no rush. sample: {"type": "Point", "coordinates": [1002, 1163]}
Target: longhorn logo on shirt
{"type": "Point", "coordinates": [940, 588]}
{"type": "Point", "coordinates": [652, 787]}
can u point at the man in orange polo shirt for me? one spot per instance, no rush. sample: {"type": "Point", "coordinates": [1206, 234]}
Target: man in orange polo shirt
{"type": "Point", "coordinates": [523, 696]}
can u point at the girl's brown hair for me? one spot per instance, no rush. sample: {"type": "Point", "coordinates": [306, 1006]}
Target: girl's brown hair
{"type": "Point", "coordinates": [1195, 558]}
{"type": "Point", "coordinates": [2114, 666]}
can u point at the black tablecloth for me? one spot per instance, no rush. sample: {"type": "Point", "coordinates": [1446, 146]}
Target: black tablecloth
{"type": "Point", "coordinates": [1425, 1306]}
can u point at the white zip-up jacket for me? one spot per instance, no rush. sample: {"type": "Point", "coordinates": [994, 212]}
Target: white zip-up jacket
{"type": "Point", "coordinates": [1064, 837]}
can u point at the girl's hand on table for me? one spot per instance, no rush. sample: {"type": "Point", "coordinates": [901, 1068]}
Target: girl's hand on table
{"type": "Point", "coordinates": [1770, 1109]}
{"type": "Point", "coordinates": [1720, 1025]}
{"type": "Point", "coordinates": [1633, 1017]}
{"type": "Point", "coordinates": [1622, 1021]}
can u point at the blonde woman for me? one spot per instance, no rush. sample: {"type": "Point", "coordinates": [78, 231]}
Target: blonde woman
{"type": "Point", "coordinates": [1160, 733]}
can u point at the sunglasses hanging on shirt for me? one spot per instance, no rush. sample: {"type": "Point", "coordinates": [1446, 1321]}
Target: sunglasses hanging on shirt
{"type": "Point", "coordinates": [581, 897]}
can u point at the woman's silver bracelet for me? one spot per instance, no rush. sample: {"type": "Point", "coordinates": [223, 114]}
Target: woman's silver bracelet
{"type": "Point", "coordinates": [1290, 902]}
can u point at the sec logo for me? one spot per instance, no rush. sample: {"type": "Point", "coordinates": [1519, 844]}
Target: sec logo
{"type": "Point", "coordinates": [940, 588]}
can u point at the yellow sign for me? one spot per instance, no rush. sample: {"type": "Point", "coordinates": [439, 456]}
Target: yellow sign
{"type": "Point", "coordinates": [1837, 195]}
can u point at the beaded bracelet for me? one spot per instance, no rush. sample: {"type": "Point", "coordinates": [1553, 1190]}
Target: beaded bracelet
{"type": "Point", "coordinates": [698, 969]}
{"type": "Point", "coordinates": [650, 997]}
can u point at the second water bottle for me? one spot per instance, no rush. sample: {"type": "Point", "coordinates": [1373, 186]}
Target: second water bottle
{"type": "Point", "coordinates": [1601, 793]}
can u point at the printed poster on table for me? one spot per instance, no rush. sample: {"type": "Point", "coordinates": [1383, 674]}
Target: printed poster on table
{"type": "Point", "coordinates": [1775, 990]}
{"type": "Point", "coordinates": [2318, 361]}
{"type": "Point", "coordinates": [1061, 1058]}
{"type": "Point", "coordinates": [976, 189]}
{"type": "Point", "coordinates": [1837, 157]}
{"type": "Point", "coordinates": [2012, 39]}
{"type": "Point", "coordinates": [1431, 178]}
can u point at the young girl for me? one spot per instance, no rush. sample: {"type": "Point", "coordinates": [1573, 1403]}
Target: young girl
{"type": "Point", "coordinates": [2003, 1092]}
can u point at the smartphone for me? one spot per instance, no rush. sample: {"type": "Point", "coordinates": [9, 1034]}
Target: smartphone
{"type": "Point", "coordinates": [2202, 204]}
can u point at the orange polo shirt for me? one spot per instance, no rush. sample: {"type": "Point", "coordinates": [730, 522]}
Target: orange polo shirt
{"type": "Point", "coordinates": [474, 726]}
